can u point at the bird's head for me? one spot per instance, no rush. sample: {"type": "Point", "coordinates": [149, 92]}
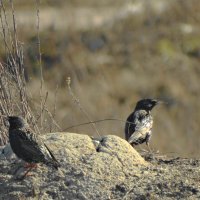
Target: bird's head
{"type": "Point", "coordinates": [15, 122]}
{"type": "Point", "coordinates": [146, 104]}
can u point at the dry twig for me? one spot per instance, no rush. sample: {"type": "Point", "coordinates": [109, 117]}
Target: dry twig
{"type": "Point", "coordinates": [77, 102]}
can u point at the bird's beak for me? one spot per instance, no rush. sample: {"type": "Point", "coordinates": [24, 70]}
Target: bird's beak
{"type": "Point", "coordinates": [160, 102]}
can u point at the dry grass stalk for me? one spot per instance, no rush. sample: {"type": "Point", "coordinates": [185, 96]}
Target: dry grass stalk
{"type": "Point", "coordinates": [13, 93]}
{"type": "Point", "coordinates": [77, 102]}
{"type": "Point", "coordinates": [14, 97]}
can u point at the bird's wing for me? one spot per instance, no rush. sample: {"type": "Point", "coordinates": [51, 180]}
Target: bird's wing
{"type": "Point", "coordinates": [33, 145]}
{"type": "Point", "coordinates": [129, 126]}
{"type": "Point", "coordinates": [136, 137]}
{"type": "Point", "coordinates": [53, 157]}
{"type": "Point", "coordinates": [143, 125]}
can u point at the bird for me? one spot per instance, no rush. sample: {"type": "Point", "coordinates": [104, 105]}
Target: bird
{"type": "Point", "coordinates": [27, 145]}
{"type": "Point", "coordinates": [138, 126]}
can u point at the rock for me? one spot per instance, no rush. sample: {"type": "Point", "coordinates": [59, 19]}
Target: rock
{"type": "Point", "coordinates": [100, 168]}
{"type": "Point", "coordinates": [6, 152]}
{"type": "Point", "coordinates": [73, 148]}
{"type": "Point", "coordinates": [90, 168]}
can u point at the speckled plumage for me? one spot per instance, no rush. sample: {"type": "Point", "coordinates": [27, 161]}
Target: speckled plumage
{"type": "Point", "coordinates": [27, 145]}
{"type": "Point", "coordinates": [139, 130]}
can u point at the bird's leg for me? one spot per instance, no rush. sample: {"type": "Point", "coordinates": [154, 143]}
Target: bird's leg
{"type": "Point", "coordinates": [142, 150]}
{"type": "Point", "coordinates": [150, 154]}
{"type": "Point", "coordinates": [27, 171]}
{"type": "Point", "coordinates": [25, 174]}
{"type": "Point", "coordinates": [150, 151]}
{"type": "Point", "coordinates": [30, 165]}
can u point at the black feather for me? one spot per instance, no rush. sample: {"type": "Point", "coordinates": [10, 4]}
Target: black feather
{"type": "Point", "coordinates": [27, 145]}
{"type": "Point", "coordinates": [139, 130]}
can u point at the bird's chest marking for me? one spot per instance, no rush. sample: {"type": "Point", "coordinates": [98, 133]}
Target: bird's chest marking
{"type": "Point", "coordinates": [145, 123]}
{"type": "Point", "coordinates": [148, 122]}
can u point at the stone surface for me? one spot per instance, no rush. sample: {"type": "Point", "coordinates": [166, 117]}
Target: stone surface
{"type": "Point", "coordinates": [86, 165]}
{"type": "Point", "coordinates": [99, 168]}
{"type": "Point", "coordinates": [6, 152]}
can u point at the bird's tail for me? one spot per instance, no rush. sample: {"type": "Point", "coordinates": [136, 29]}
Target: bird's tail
{"type": "Point", "coordinates": [54, 163]}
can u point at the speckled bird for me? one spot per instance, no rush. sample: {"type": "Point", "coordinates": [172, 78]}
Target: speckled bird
{"type": "Point", "coordinates": [27, 145]}
{"type": "Point", "coordinates": [140, 128]}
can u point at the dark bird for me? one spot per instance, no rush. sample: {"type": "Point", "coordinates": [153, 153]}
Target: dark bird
{"type": "Point", "coordinates": [139, 129]}
{"type": "Point", "coordinates": [27, 145]}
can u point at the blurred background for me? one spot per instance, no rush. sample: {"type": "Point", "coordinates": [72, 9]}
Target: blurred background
{"type": "Point", "coordinates": [117, 52]}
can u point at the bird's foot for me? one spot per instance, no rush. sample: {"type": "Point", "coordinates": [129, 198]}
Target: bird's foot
{"type": "Point", "coordinates": [144, 151]}
{"type": "Point", "coordinates": [26, 173]}
{"type": "Point", "coordinates": [150, 154]}
{"type": "Point", "coordinates": [28, 167]}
